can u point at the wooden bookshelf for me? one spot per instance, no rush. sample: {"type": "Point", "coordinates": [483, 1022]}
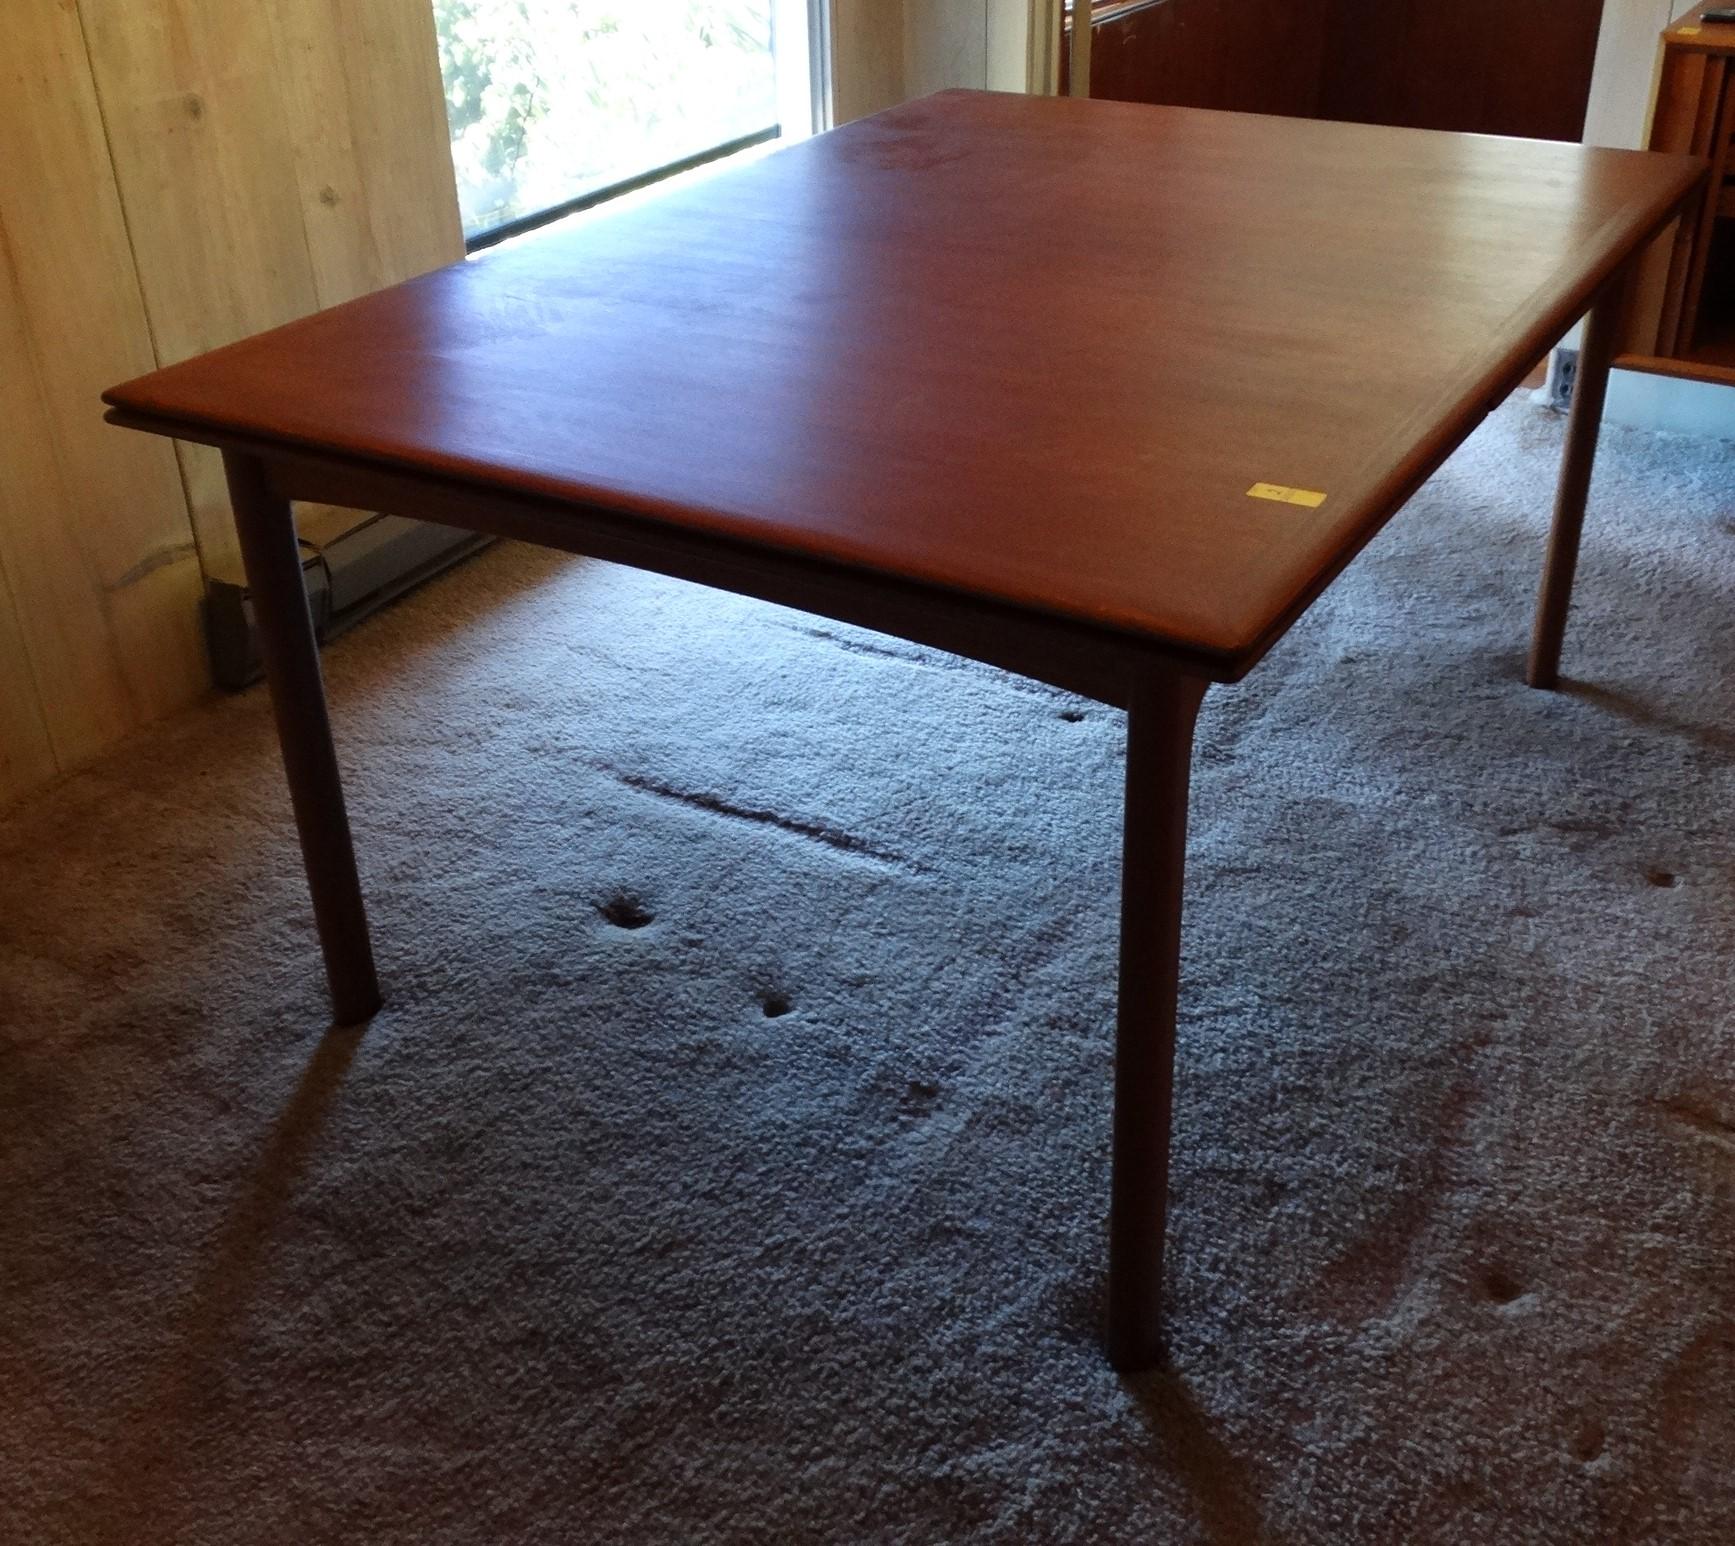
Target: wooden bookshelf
{"type": "Point", "coordinates": [1683, 316]}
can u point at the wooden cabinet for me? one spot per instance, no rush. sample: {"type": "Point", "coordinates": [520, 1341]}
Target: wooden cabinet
{"type": "Point", "coordinates": [1244, 56]}
{"type": "Point", "coordinates": [1477, 66]}
{"type": "Point", "coordinates": [1683, 316]}
{"type": "Point", "coordinates": [1480, 66]}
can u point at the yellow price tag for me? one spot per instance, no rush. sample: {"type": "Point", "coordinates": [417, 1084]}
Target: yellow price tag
{"type": "Point", "coordinates": [1686, 32]}
{"type": "Point", "coordinates": [1286, 496]}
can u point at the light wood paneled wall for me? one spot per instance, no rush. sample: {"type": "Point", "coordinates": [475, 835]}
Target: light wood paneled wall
{"type": "Point", "coordinates": [177, 174]}
{"type": "Point", "coordinates": [975, 43]}
{"type": "Point", "coordinates": [867, 55]}
{"type": "Point", "coordinates": [99, 606]}
{"type": "Point", "coordinates": [272, 159]}
{"type": "Point", "coordinates": [181, 173]}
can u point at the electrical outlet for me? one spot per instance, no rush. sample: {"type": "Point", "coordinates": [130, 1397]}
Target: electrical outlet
{"type": "Point", "coordinates": [1562, 378]}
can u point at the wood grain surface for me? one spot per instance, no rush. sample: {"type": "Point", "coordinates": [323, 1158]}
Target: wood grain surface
{"type": "Point", "coordinates": [857, 351]}
{"type": "Point", "coordinates": [1691, 30]}
{"type": "Point", "coordinates": [173, 176]}
{"type": "Point", "coordinates": [1481, 66]}
{"type": "Point", "coordinates": [1476, 66]}
{"type": "Point", "coordinates": [867, 56]}
{"type": "Point", "coordinates": [99, 583]}
{"type": "Point", "coordinates": [273, 159]}
{"type": "Point", "coordinates": [1683, 318]}
{"type": "Point", "coordinates": [1244, 56]}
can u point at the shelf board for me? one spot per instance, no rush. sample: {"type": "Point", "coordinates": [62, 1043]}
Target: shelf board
{"type": "Point", "coordinates": [1693, 368]}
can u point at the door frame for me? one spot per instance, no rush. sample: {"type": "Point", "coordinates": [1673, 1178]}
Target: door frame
{"type": "Point", "coordinates": [801, 42]}
{"type": "Point", "coordinates": [1044, 20]}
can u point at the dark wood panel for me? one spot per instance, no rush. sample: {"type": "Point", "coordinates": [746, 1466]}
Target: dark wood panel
{"type": "Point", "coordinates": [1250, 56]}
{"type": "Point", "coordinates": [1479, 66]}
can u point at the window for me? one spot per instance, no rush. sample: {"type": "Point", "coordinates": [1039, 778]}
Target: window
{"type": "Point", "coordinates": [551, 102]}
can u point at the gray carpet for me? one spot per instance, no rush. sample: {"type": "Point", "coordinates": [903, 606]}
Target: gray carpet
{"type": "Point", "coordinates": [730, 1162]}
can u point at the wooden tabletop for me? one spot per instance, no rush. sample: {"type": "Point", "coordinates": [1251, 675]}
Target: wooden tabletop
{"type": "Point", "coordinates": [1033, 350]}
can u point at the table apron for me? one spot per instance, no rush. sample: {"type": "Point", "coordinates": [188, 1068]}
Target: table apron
{"type": "Point", "coordinates": [1098, 664]}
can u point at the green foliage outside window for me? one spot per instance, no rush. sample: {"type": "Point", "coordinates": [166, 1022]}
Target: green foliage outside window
{"type": "Point", "coordinates": [548, 99]}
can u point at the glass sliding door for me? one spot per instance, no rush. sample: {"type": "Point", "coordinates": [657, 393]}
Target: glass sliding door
{"type": "Point", "coordinates": [552, 101]}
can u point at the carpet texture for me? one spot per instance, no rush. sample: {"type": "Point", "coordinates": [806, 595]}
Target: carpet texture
{"type": "Point", "coordinates": [730, 1162]}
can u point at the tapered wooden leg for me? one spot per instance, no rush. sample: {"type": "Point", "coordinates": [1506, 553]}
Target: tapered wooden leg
{"type": "Point", "coordinates": [1589, 393]}
{"type": "Point", "coordinates": [1160, 721]}
{"type": "Point", "coordinates": [266, 526]}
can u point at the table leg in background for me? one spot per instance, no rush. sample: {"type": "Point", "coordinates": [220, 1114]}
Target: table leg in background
{"type": "Point", "coordinates": [266, 526]}
{"type": "Point", "coordinates": [1160, 718]}
{"type": "Point", "coordinates": [1589, 393]}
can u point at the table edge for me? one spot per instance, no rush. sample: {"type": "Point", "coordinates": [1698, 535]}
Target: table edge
{"type": "Point", "coordinates": [1454, 415]}
{"type": "Point", "coordinates": [1093, 660]}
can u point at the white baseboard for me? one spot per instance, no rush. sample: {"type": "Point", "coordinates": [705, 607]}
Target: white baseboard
{"type": "Point", "coordinates": [1644, 401]}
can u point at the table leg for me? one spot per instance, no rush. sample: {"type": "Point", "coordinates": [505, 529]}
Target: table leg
{"type": "Point", "coordinates": [1589, 392]}
{"type": "Point", "coordinates": [266, 526]}
{"type": "Point", "coordinates": [1160, 719]}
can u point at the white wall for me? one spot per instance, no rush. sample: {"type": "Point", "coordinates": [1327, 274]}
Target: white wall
{"type": "Point", "coordinates": [945, 44]}
{"type": "Point", "coordinates": [1626, 70]}
{"type": "Point", "coordinates": [977, 43]}
{"type": "Point", "coordinates": [888, 51]}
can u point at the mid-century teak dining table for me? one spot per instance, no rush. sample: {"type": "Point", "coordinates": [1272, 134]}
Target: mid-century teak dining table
{"type": "Point", "coordinates": [1105, 395]}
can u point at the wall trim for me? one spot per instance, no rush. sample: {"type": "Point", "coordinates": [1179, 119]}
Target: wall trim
{"type": "Point", "coordinates": [347, 579]}
{"type": "Point", "coordinates": [819, 47]}
{"type": "Point", "coordinates": [1042, 68]}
